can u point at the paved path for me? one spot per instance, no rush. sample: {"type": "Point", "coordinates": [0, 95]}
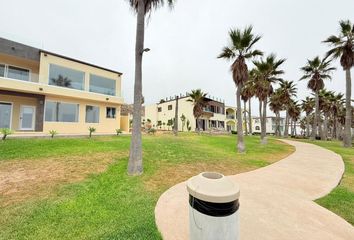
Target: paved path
{"type": "Point", "coordinates": [276, 201]}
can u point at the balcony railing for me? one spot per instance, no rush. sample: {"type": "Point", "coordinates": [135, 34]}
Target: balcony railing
{"type": "Point", "coordinates": [230, 116]}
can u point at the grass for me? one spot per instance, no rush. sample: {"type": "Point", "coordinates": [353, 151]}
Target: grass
{"type": "Point", "coordinates": [341, 199]}
{"type": "Point", "coordinates": [109, 204]}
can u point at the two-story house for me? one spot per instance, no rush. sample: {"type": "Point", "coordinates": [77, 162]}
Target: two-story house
{"type": "Point", "coordinates": [42, 91]}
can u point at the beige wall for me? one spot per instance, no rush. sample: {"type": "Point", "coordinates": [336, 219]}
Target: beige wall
{"type": "Point", "coordinates": [124, 123]}
{"type": "Point", "coordinates": [105, 125]}
{"type": "Point", "coordinates": [16, 104]}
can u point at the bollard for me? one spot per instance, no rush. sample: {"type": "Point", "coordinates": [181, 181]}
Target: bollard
{"type": "Point", "coordinates": [213, 207]}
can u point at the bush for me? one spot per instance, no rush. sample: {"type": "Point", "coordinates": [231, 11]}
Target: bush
{"type": "Point", "coordinates": [152, 131]}
{"type": "Point", "coordinates": [119, 131]}
{"type": "Point", "coordinates": [233, 132]}
{"type": "Point", "coordinates": [91, 130]}
{"type": "Point", "coordinates": [5, 132]}
{"type": "Point", "coordinates": [53, 133]}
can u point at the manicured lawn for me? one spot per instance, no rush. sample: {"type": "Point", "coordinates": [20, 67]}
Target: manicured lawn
{"type": "Point", "coordinates": [341, 199]}
{"type": "Point", "coordinates": [79, 189]}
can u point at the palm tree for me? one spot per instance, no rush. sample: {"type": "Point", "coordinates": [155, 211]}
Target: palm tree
{"type": "Point", "coordinates": [197, 97]}
{"type": "Point", "coordinates": [343, 47]}
{"type": "Point", "coordinates": [248, 91]}
{"type": "Point", "coordinates": [325, 106]}
{"type": "Point", "coordinates": [175, 125]}
{"type": "Point", "coordinates": [294, 113]}
{"type": "Point", "coordinates": [307, 106]}
{"type": "Point", "coordinates": [337, 106]}
{"type": "Point", "coordinates": [316, 70]}
{"type": "Point", "coordinates": [287, 91]}
{"type": "Point", "coordinates": [61, 81]}
{"type": "Point", "coordinates": [267, 72]}
{"type": "Point", "coordinates": [238, 51]}
{"type": "Point", "coordinates": [276, 105]}
{"type": "Point", "coordinates": [142, 8]}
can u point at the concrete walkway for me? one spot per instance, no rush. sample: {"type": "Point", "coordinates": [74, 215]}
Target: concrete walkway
{"type": "Point", "coordinates": [276, 201]}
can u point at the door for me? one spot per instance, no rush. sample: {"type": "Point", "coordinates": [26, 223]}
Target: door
{"type": "Point", "coordinates": [5, 115]}
{"type": "Point", "coordinates": [27, 117]}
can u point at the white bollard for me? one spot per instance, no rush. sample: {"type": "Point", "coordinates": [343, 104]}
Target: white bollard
{"type": "Point", "coordinates": [213, 207]}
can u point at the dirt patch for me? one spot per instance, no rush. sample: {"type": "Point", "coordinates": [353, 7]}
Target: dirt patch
{"type": "Point", "coordinates": [21, 180]}
{"type": "Point", "coordinates": [168, 176]}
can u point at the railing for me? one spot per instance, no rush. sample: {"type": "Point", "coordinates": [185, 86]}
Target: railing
{"type": "Point", "coordinates": [230, 116]}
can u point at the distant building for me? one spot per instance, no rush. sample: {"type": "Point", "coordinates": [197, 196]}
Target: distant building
{"type": "Point", "coordinates": [216, 116]}
{"type": "Point", "coordinates": [270, 125]}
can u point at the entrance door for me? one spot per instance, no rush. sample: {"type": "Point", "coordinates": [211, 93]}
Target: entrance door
{"type": "Point", "coordinates": [5, 115]}
{"type": "Point", "coordinates": [27, 117]}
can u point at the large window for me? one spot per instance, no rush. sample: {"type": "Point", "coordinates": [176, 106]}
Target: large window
{"type": "Point", "coordinates": [92, 114]}
{"type": "Point", "coordinates": [110, 112]}
{"type": "Point", "coordinates": [2, 70]}
{"type": "Point", "coordinates": [14, 72]}
{"type": "Point", "coordinates": [61, 112]}
{"type": "Point", "coordinates": [66, 77]}
{"type": "Point", "coordinates": [102, 85]}
{"type": "Point", "coordinates": [5, 115]}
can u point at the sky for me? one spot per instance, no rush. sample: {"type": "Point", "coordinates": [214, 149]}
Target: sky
{"type": "Point", "coordinates": [184, 41]}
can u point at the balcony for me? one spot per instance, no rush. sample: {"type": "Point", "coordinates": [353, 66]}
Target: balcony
{"type": "Point", "coordinates": [36, 85]}
{"type": "Point", "coordinates": [230, 116]}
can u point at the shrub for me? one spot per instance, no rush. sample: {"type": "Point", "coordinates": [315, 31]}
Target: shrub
{"type": "Point", "coordinates": [5, 132]}
{"type": "Point", "coordinates": [152, 131]}
{"type": "Point", "coordinates": [119, 131]}
{"type": "Point", "coordinates": [91, 130]}
{"type": "Point", "coordinates": [233, 132]}
{"type": "Point", "coordinates": [53, 133]}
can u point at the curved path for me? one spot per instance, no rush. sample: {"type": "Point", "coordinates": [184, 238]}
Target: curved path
{"type": "Point", "coordinates": [276, 201]}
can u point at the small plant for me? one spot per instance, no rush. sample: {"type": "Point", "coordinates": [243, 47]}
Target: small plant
{"type": "Point", "coordinates": [189, 128]}
{"type": "Point", "coordinates": [53, 133]}
{"type": "Point", "coordinates": [5, 132]}
{"type": "Point", "coordinates": [119, 131]}
{"type": "Point", "coordinates": [183, 119]}
{"type": "Point", "coordinates": [91, 130]}
{"type": "Point", "coordinates": [152, 131]}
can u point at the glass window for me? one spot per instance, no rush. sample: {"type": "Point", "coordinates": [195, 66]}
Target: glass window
{"type": "Point", "coordinates": [66, 77]}
{"type": "Point", "coordinates": [159, 109]}
{"type": "Point", "coordinates": [169, 107]}
{"type": "Point", "coordinates": [18, 73]}
{"type": "Point", "coordinates": [5, 115]}
{"type": "Point", "coordinates": [110, 112]}
{"type": "Point", "coordinates": [61, 112]}
{"type": "Point", "coordinates": [102, 85]}
{"type": "Point", "coordinates": [92, 114]}
{"type": "Point", "coordinates": [2, 70]}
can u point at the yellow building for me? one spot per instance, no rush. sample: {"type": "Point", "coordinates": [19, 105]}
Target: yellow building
{"type": "Point", "coordinates": [42, 91]}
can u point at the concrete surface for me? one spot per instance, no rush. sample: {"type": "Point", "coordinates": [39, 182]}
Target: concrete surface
{"type": "Point", "coordinates": [276, 201]}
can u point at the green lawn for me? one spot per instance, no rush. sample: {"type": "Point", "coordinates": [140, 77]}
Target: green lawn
{"type": "Point", "coordinates": [341, 199]}
{"type": "Point", "coordinates": [109, 204]}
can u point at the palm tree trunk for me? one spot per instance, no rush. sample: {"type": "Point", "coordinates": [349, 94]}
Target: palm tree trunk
{"type": "Point", "coordinates": [175, 125]}
{"type": "Point", "coordinates": [348, 111]}
{"type": "Point", "coordinates": [263, 123]}
{"type": "Point", "coordinates": [325, 128]}
{"type": "Point", "coordinates": [338, 130]}
{"type": "Point", "coordinates": [295, 133]}
{"type": "Point", "coordinates": [307, 125]}
{"type": "Point", "coordinates": [260, 110]}
{"type": "Point", "coordinates": [135, 164]}
{"type": "Point", "coordinates": [245, 117]}
{"type": "Point", "coordinates": [240, 142]}
{"type": "Point", "coordinates": [249, 116]}
{"type": "Point", "coordinates": [315, 120]}
{"type": "Point", "coordinates": [286, 128]}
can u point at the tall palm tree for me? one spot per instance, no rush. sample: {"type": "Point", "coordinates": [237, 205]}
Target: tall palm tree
{"type": "Point", "coordinates": [287, 91]}
{"type": "Point", "coordinates": [249, 91]}
{"type": "Point", "coordinates": [294, 113]}
{"type": "Point", "coordinates": [316, 70]}
{"type": "Point", "coordinates": [267, 73]}
{"type": "Point", "coordinates": [307, 106]}
{"type": "Point", "coordinates": [239, 50]}
{"type": "Point", "coordinates": [343, 47]}
{"type": "Point", "coordinates": [246, 95]}
{"type": "Point", "coordinates": [197, 97]}
{"type": "Point", "coordinates": [276, 105]}
{"type": "Point", "coordinates": [325, 97]}
{"type": "Point", "coordinates": [142, 8]}
{"type": "Point", "coordinates": [175, 124]}
{"type": "Point", "coordinates": [337, 105]}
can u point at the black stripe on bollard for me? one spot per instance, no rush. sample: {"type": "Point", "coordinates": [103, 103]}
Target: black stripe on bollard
{"type": "Point", "coordinates": [214, 209]}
